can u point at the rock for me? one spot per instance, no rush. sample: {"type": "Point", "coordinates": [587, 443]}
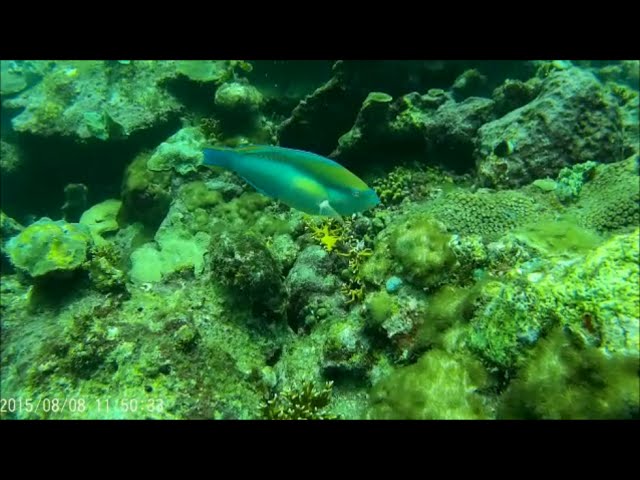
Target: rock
{"type": "Point", "coordinates": [573, 120]}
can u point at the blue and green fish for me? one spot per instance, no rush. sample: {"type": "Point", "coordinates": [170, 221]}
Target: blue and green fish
{"type": "Point", "coordinates": [302, 180]}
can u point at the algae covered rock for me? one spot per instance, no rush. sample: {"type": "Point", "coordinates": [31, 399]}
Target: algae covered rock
{"type": "Point", "coordinates": [146, 195]}
{"type": "Point", "coordinates": [8, 228]}
{"type": "Point", "coordinates": [242, 262]}
{"type": "Point", "coordinates": [594, 296]}
{"type": "Point", "coordinates": [417, 247]}
{"type": "Point", "coordinates": [321, 118]}
{"type": "Point", "coordinates": [204, 71]}
{"type": "Point", "coordinates": [610, 200]}
{"type": "Point", "coordinates": [182, 152]}
{"type": "Point", "coordinates": [514, 94]}
{"type": "Point", "coordinates": [565, 381]}
{"type": "Point", "coordinates": [80, 100]}
{"type": "Point", "coordinates": [346, 350]}
{"type": "Point", "coordinates": [440, 386]}
{"type": "Point", "coordinates": [10, 160]}
{"type": "Point", "coordinates": [431, 126]}
{"type": "Point", "coordinates": [598, 298]}
{"type": "Point", "coordinates": [175, 249]}
{"type": "Point", "coordinates": [12, 78]}
{"type": "Point", "coordinates": [310, 280]}
{"type": "Point", "coordinates": [572, 120]}
{"type": "Point", "coordinates": [238, 99]}
{"type": "Point", "coordinates": [370, 129]}
{"type": "Point", "coordinates": [101, 219]}
{"type": "Point", "coordinates": [47, 247]}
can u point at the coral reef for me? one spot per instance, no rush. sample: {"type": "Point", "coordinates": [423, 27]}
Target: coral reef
{"type": "Point", "coordinates": [81, 100]}
{"type": "Point", "coordinates": [489, 214]}
{"type": "Point", "coordinates": [497, 278]}
{"type": "Point", "coordinates": [305, 403]}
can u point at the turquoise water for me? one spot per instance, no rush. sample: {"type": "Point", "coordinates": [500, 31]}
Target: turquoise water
{"type": "Point", "coordinates": [490, 270]}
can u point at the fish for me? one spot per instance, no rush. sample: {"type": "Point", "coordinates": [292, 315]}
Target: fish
{"type": "Point", "coordinates": [303, 180]}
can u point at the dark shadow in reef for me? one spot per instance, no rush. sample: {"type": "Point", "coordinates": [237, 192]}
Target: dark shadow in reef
{"type": "Point", "coordinates": [347, 379]}
{"type": "Point", "coordinates": [197, 97]}
{"type": "Point", "coordinates": [51, 163]}
{"type": "Point", "coordinates": [54, 291]}
{"type": "Point", "coordinates": [289, 79]}
{"type": "Point", "coordinates": [331, 111]}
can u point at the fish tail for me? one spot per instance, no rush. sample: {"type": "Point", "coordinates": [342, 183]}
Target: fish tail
{"type": "Point", "coordinates": [219, 157]}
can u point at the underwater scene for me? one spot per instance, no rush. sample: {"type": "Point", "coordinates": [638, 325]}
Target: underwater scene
{"type": "Point", "coordinates": [321, 240]}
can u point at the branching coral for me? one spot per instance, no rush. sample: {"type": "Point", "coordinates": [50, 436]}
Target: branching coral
{"type": "Point", "coordinates": [343, 239]}
{"type": "Point", "coordinates": [306, 402]}
{"type": "Point", "coordinates": [409, 183]}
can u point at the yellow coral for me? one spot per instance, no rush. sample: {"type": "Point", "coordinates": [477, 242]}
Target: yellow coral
{"type": "Point", "coordinates": [354, 290]}
{"type": "Point", "coordinates": [340, 237]}
{"type": "Point", "coordinates": [328, 235]}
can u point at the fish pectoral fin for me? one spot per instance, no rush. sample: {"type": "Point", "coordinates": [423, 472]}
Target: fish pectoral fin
{"type": "Point", "coordinates": [327, 209]}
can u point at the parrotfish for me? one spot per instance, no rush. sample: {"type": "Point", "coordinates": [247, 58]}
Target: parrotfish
{"type": "Point", "coordinates": [302, 180]}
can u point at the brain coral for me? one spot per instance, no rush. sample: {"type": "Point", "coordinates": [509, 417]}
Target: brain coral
{"type": "Point", "coordinates": [611, 201]}
{"type": "Point", "coordinates": [486, 214]}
